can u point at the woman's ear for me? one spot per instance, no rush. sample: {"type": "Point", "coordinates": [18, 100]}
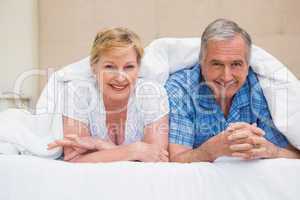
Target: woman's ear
{"type": "Point", "coordinates": [93, 68]}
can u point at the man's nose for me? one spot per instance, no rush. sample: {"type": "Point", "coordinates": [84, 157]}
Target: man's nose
{"type": "Point", "coordinates": [227, 74]}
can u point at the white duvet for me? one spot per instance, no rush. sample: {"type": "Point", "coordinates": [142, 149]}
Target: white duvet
{"type": "Point", "coordinates": [32, 178]}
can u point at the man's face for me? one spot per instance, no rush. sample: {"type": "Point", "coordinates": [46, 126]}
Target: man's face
{"type": "Point", "coordinates": [224, 66]}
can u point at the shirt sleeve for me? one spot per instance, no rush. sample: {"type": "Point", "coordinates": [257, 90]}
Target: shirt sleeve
{"type": "Point", "coordinates": [77, 97]}
{"type": "Point", "coordinates": [271, 132]}
{"type": "Point", "coordinates": [152, 101]}
{"type": "Point", "coordinates": [181, 126]}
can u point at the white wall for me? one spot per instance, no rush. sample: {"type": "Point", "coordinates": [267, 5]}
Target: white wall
{"type": "Point", "coordinates": [67, 27]}
{"type": "Point", "coordinates": [18, 44]}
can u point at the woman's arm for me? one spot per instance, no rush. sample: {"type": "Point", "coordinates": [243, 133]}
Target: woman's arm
{"type": "Point", "coordinates": [120, 153]}
{"type": "Point", "coordinates": [157, 133]}
{"type": "Point", "coordinates": [153, 148]}
{"type": "Point", "coordinates": [73, 127]}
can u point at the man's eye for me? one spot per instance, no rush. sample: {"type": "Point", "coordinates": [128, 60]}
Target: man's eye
{"type": "Point", "coordinates": [217, 64]}
{"type": "Point", "coordinates": [236, 64]}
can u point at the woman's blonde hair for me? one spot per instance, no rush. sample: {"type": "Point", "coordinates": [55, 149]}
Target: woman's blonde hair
{"type": "Point", "coordinates": [111, 38]}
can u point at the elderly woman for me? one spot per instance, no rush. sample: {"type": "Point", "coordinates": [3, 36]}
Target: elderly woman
{"type": "Point", "coordinates": [116, 116]}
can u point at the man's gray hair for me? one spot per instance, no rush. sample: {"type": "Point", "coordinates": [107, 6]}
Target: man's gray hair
{"type": "Point", "coordinates": [223, 29]}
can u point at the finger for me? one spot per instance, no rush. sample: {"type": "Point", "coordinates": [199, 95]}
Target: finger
{"type": "Point", "coordinates": [238, 135]}
{"type": "Point", "coordinates": [258, 140]}
{"type": "Point", "coordinates": [80, 150]}
{"type": "Point", "coordinates": [238, 125]}
{"type": "Point", "coordinates": [245, 156]}
{"type": "Point", "coordinates": [255, 153]}
{"type": "Point", "coordinates": [164, 158]}
{"type": "Point", "coordinates": [66, 143]}
{"type": "Point", "coordinates": [53, 145]}
{"type": "Point", "coordinates": [230, 128]}
{"type": "Point", "coordinates": [80, 142]}
{"type": "Point", "coordinates": [71, 136]}
{"type": "Point", "coordinates": [164, 152]}
{"type": "Point", "coordinates": [258, 153]}
{"type": "Point", "coordinates": [243, 125]}
{"type": "Point", "coordinates": [239, 155]}
{"type": "Point", "coordinates": [258, 131]}
{"type": "Point", "coordinates": [241, 147]}
{"type": "Point", "coordinates": [71, 155]}
{"type": "Point", "coordinates": [87, 144]}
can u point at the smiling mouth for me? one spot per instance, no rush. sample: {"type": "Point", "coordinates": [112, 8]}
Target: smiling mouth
{"type": "Point", "coordinates": [118, 87]}
{"type": "Point", "coordinates": [226, 85]}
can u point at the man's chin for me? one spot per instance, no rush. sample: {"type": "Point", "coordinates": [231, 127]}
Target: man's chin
{"type": "Point", "coordinates": [226, 95]}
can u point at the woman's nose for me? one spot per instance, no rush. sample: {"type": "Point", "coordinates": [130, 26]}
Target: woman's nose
{"type": "Point", "coordinates": [121, 76]}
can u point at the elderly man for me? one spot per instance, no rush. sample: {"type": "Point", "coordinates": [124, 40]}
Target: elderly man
{"type": "Point", "coordinates": [217, 108]}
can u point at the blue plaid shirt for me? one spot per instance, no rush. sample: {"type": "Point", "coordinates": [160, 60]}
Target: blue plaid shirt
{"type": "Point", "coordinates": [195, 115]}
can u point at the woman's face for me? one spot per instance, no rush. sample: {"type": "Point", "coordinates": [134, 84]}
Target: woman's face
{"type": "Point", "coordinates": [116, 73]}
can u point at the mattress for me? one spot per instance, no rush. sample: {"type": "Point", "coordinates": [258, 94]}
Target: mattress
{"type": "Point", "coordinates": [32, 178]}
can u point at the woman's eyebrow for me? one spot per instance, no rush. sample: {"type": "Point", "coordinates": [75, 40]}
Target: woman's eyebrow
{"type": "Point", "coordinates": [130, 62]}
{"type": "Point", "coordinates": [108, 62]}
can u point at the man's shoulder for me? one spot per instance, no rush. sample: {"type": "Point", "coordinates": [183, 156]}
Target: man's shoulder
{"type": "Point", "coordinates": [184, 79]}
{"type": "Point", "coordinates": [252, 76]}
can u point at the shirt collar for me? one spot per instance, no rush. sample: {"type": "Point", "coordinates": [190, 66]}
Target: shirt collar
{"type": "Point", "coordinates": [242, 97]}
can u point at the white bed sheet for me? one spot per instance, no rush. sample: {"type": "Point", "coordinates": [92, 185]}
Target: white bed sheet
{"type": "Point", "coordinates": [33, 178]}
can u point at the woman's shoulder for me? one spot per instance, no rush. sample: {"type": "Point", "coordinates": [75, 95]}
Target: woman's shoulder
{"type": "Point", "coordinates": [81, 93]}
{"type": "Point", "coordinates": [151, 100]}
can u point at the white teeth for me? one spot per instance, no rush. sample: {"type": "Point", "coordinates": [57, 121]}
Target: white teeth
{"type": "Point", "coordinates": [118, 87]}
{"type": "Point", "coordinates": [227, 84]}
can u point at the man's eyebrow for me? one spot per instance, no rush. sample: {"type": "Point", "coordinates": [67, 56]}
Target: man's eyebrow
{"type": "Point", "coordinates": [239, 61]}
{"type": "Point", "coordinates": [215, 61]}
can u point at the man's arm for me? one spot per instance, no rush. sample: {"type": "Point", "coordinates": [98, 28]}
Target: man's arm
{"type": "Point", "coordinates": [289, 152]}
{"type": "Point", "coordinates": [226, 143]}
{"type": "Point", "coordinates": [209, 151]}
{"type": "Point", "coordinates": [182, 154]}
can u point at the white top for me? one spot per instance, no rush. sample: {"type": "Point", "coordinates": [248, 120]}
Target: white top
{"type": "Point", "coordinates": [147, 104]}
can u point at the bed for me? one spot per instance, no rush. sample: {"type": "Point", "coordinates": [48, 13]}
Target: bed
{"type": "Point", "coordinates": [32, 178]}
{"type": "Point", "coordinates": [25, 177]}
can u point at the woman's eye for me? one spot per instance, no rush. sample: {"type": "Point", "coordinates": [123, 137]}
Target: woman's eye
{"type": "Point", "coordinates": [108, 67]}
{"type": "Point", "coordinates": [129, 67]}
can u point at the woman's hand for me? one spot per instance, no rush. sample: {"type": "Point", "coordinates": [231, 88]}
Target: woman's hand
{"type": "Point", "coordinates": [150, 152]}
{"type": "Point", "coordinates": [81, 145]}
{"type": "Point", "coordinates": [86, 142]}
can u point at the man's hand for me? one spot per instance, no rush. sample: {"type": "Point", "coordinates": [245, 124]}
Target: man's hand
{"type": "Point", "coordinates": [247, 145]}
{"type": "Point", "coordinates": [236, 139]}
